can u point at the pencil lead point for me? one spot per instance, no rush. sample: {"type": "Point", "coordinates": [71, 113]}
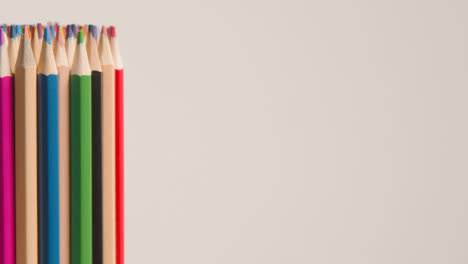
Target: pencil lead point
{"type": "Point", "coordinates": [52, 31]}
{"type": "Point", "coordinates": [19, 30]}
{"type": "Point", "coordinates": [104, 31]}
{"type": "Point", "coordinates": [47, 36]}
{"type": "Point", "coordinates": [74, 29]}
{"type": "Point", "coordinates": [93, 30]}
{"type": "Point", "coordinates": [40, 30]}
{"type": "Point", "coordinates": [80, 36]}
{"type": "Point", "coordinates": [2, 36]}
{"type": "Point", "coordinates": [113, 32]}
{"type": "Point", "coordinates": [12, 32]}
{"type": "Point", "coordinates": [69, 31]}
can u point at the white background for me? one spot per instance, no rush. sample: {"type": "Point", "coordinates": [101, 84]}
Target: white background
{"type": "Point", "coordinates": [289, 131]}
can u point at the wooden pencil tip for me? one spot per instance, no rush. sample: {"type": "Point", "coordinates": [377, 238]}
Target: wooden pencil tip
{"type": "Point", "coordinates": [26, 32]}
{"type": "Point", "coordinates": [104, 31]}
{"type": "Point", "coordinates": [59, 37]}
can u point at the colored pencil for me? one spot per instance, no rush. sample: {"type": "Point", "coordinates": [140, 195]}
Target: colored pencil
{"type": "Point", "coordinates": [119, 150]}
{"type": "Point", "coordinates": [97, 145]}
{"type": "Point", "coordinates": [12, 48]}
{"type": "Point", "coordinates": [26, 154]}
{"type": "Point", "coordinates": [81, 157]}
{"type": "Point", "coordinates": [108, 150]}
{"type": "Point", "coordinates": [48, 155]}
{"type": "Point", "coordinates": [7, 163]}
{"type": "Point", "coordinates": [64, 145]}
{"type": "Point", "coordinates": [70, 44]}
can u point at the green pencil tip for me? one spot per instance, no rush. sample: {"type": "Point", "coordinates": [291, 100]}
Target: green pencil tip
{"type": "Point", "coordinates": [80, 36]}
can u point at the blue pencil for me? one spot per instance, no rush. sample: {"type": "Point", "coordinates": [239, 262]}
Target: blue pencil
{"type": "Point", "coordinates": [48, 159]}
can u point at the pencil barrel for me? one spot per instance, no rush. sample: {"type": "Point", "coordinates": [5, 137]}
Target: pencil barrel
{"type": "Point", "coordinates": [7, 176]}
{"type": "Point", "coordinates": [81, 169]}
{"type": "Point", "coordinates": [119, 98]}
{"type": "Point", "coordinates": [48, 169]}
{"type": "Point", "coordinates": [96, 78]}
{"type": "Point", "coordinates": [26, 165]}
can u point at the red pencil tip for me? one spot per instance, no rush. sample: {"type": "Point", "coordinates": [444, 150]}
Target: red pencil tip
{"type": "Point", "coordinates": [113, 32]}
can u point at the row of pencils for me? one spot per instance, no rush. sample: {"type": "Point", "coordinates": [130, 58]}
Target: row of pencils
{"type": "Point", "coordinates": [61, 145]}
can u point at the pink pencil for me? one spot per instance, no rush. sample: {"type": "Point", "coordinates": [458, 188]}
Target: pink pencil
{"type": "Point", "coordinates": [7, 180]}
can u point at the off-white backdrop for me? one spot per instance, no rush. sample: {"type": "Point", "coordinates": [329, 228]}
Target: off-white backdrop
{"type": "Point", "coordinates": [264, 132]}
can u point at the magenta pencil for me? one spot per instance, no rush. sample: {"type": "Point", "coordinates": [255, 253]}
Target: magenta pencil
{"type": "Point", "coordinates": [7, 180]}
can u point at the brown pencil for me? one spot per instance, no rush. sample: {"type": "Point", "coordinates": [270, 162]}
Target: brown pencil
{"type": "Point", "coordinates": [108, 150]}
{"type": "Point", "coordinates": [64, 145]}
{"type": "Point", "coordinates": [26, 154]}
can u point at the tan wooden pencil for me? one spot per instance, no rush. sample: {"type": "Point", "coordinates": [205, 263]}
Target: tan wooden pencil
{"type": "Point", "coordinates": [26, 155]}
{"type": "Point", "coordinates": [64, 145]}
{"type": "Point", "coordinates": [108, 150]}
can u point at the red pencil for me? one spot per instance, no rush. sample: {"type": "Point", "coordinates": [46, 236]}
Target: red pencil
{"type": "Point", "coordinates": [119, 147]}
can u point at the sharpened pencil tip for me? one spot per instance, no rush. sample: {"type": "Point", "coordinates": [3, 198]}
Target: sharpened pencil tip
{"type": "Point", "coordinates": [69, 31]}
{"type": "Point", "coordinates": [2, 36]}
{"type": "Point", "coordinates": [12, 32]}
{"type": "Point", "coordinates": [104, 31]}
{"type": "Point", "coordinates": [19, 30]}
{"type": "Point", "coordinates": [59, 37]}
{"type": "Point", "coordinates": [52, 31]}
{"type": "Point", "coordinates": [80, 36]}
{"type": "Point", "coordinates": [93, 30]}
{"type": "Point", "coordinates": [40, 30]}
{"type": "Point", "coordinates": [113, 32]}
{"type": "Point", "coordinates": [73, 26]}
{"type": "Point", "coordinates": [26, 32]}
{"type": "Point", "coordinates": [47, 36]}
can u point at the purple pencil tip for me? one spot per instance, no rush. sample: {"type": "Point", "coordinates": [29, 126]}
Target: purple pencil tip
{"type": "Point", "coordinates": [69, 31]}
{"type": "Point", "coordinates": [40, 30]}
{"type": "Point", "coordinates": [2, 36]}
{"type": "Point", "coordinates": [93, 30]}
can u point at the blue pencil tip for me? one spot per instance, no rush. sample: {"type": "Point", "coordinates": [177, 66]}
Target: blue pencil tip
{"type": "Point", "coordinates": [69, 32]}
{"type": "Point", "coordinates": [52, 31]}
{"type": "Point", "coordinates": [12, 31]}
{"type": "Point", "coordinates": [18, 30]}
{"type": "Point", "coordinates": [47, 35]}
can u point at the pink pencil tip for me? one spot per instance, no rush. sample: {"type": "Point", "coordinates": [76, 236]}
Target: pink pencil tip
{"type": "Point", "coordinates": [104, 31]}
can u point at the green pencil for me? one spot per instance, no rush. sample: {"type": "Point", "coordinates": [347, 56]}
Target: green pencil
{"type": "Point", "coordinates": [80, 157]}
